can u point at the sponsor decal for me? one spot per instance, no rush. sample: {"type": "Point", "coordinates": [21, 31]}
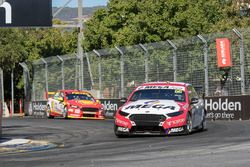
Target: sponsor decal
{"type": "Point", "coordinates": [175, 122]}
{"type": "Point", "coordinates": [223, 115]}
{"type": "Point", "coordinates": [84, 93]}
{"type": "Point", "coordinates": [77, 111]}
{"type": "Point", "coordinates": [228, 107]}
{"type": "Point", "coordinates": [122, 129]}
{"type": "Point", "coordinates": [38, 108]}
{"type": "Point", "coordinates": [223, 52]}
{"type": "Point", "coordinates": [224, 105]}
{"type": "Point", "coordinates": [152, 102]}
{"type": "Point", "coordinates": [161, 87]}
{"type": "Point", "coordinates": [121, 122]}
{"type": "Point", "coordinates": [175, 130]}
{"type": "Point", "coordinates": [156, 106]}
{"type": "Point", "coordinates": [110, 106]}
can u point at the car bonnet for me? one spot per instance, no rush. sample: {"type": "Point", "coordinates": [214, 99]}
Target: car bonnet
{"type": "Point", "coordinates": [151, 107]}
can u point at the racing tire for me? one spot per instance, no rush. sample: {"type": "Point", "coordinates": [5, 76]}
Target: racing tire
{"type": "Point", "coordinates": [65, 113]}
{"type": "Point", "coordinates": [204, 123]}
{"type": "Point", "coordinates": [48, 113]}
{"type": "Point", "coordinates": [119, 135]}
{"type": "Point", "coordinates": [188, 128]}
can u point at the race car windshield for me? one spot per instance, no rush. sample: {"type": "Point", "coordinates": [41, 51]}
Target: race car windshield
{"type": "Point", "coordinates": [164, 94]}
{"type": "Point", "coordinates": [79, 97]}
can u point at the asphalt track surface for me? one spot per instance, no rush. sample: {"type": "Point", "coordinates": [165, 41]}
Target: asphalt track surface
{"type": "Point", "coordinates": [92, 143]}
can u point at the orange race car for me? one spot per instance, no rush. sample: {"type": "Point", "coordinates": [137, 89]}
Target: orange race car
{"type": "Point", "coordinates": [74, 104]}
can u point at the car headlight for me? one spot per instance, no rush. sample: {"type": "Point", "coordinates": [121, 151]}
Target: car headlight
{"type": "Point", "coordinates": [73, 106]}
{"type": "Point", "coordinates": [123, 113]}
{"type": "Point", "coordinates": [174, 114]}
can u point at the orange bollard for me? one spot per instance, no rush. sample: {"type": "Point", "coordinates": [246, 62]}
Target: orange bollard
{"type": "Point", "coordinates": [21, 107]}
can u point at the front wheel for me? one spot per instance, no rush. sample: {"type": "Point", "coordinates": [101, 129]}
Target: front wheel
{"type": "Point", "coordinates": [48, 112]}
{"type": "Point", "coordinates": [65, 113]}
{"type": "Point", "coordinates": [189, 126]}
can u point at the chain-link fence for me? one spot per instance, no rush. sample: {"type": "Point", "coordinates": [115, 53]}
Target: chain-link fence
{"type": "Point", "coordinates": [115, 72]}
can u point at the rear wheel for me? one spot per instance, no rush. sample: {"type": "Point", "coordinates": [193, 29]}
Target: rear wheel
{"type": "Point", "coordinates": [189, 126]}
{"type": "Point", "coordinates": [65, 113]}
{"type": "Point", "coordinates": [204, 123]}
{"type": "Point", "coordinates": [48, 113]}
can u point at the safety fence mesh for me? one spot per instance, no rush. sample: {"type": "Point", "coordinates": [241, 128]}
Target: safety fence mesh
{"type": "Point", "coordinates": [115, 72]}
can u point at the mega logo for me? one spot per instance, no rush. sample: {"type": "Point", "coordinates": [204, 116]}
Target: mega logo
{"type": "Point", "coordinates": [156, 106]}
{"type": "Point", "coordinates": [222, 105]}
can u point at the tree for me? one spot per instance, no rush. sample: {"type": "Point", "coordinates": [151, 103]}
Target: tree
{"type": "Point", "coordinates": [26, 45]}
{"type": "Point", "coordinates": [142, 21]}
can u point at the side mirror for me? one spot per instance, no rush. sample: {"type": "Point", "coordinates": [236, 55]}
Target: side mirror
{"type": "Point", "coordinates": [123, 100]}
{"type": "Point", "coordinates": [60, 99]}
{"type": "Point", "coordinates": [194, 100]}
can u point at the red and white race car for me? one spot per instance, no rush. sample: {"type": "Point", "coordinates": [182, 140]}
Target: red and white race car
{"type": "Point", "coordinates": [161, 108]}
{"type": "Point", "coordinates": [74, 104]}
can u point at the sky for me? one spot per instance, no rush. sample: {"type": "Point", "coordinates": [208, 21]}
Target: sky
{"type": "Point", "coordinates": [86, 3]}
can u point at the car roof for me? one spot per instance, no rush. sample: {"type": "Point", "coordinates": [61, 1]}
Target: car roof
{"type": "Point", "coordinates": [166, 83]}
{"type": "Point", "coordinates": [70, 91]}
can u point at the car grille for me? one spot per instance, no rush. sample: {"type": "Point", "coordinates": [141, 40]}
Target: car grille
{"type": "Point", "coordinates": [147, 123]}
{"type": "Point", "coordinates": [89, 109]}
{"type": "Point", "coordinates": [151, 129]}
{"type": "Point", "coordinates": [89, 115]}
{"type": "Point", "coordinates": [147, 118]}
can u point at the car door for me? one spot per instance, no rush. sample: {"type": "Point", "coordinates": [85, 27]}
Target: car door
{"type": "Point", "coordinates": [196, 107]}
{"type": "Point", "coordinates": [56, 104]}
{"type": "Point", "coordinates": [60, 105]}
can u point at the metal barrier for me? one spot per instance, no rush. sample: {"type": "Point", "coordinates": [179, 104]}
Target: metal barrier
{"type": "Point", "coordinates": [115, 72]}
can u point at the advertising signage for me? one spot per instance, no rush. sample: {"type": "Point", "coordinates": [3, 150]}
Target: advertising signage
{"type": "Point", "coordinates": [218, 108]}
{"type": "Point", "coordinates": [26, 13]}
{"type": "Point", "coordinates": [223, 52]}
{"type": "Point", "coordinates": [228, 107]}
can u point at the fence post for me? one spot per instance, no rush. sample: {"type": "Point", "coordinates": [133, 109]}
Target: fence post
{"type": "Point", "coordinates": [77, 73]}
{"type": "Point", "coordinates": [25, 80]}
{"type": "Point", "coordinates": [174, 59]}
{"type": "Point", "coordinates": [99, 72]}
{"type": "Point", "coordinates": [12, 91]}
{"type": "Point", "coordinates": [205, 52]}
{"type": "Point", "coordinates": [27, 87]}
{"type": "Point", "coordinates": [90, 71]}
{"type": "Point", "coordinates": [122, 70]}
{"type": "Point", "coordinates": [242, 61]}
{"type": "Point", "coordinates": [62, 70]}
{"type": "Point", "coordinates": [2, 108]}
{"type": "Point", "coordinates": [145, 61]}
{"type": "Point", "coordinates": [81, 74]}
{"type": "Point", "coordinates": [79, 43]}
{"type": "Point", "coordinates": [46, 75]}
